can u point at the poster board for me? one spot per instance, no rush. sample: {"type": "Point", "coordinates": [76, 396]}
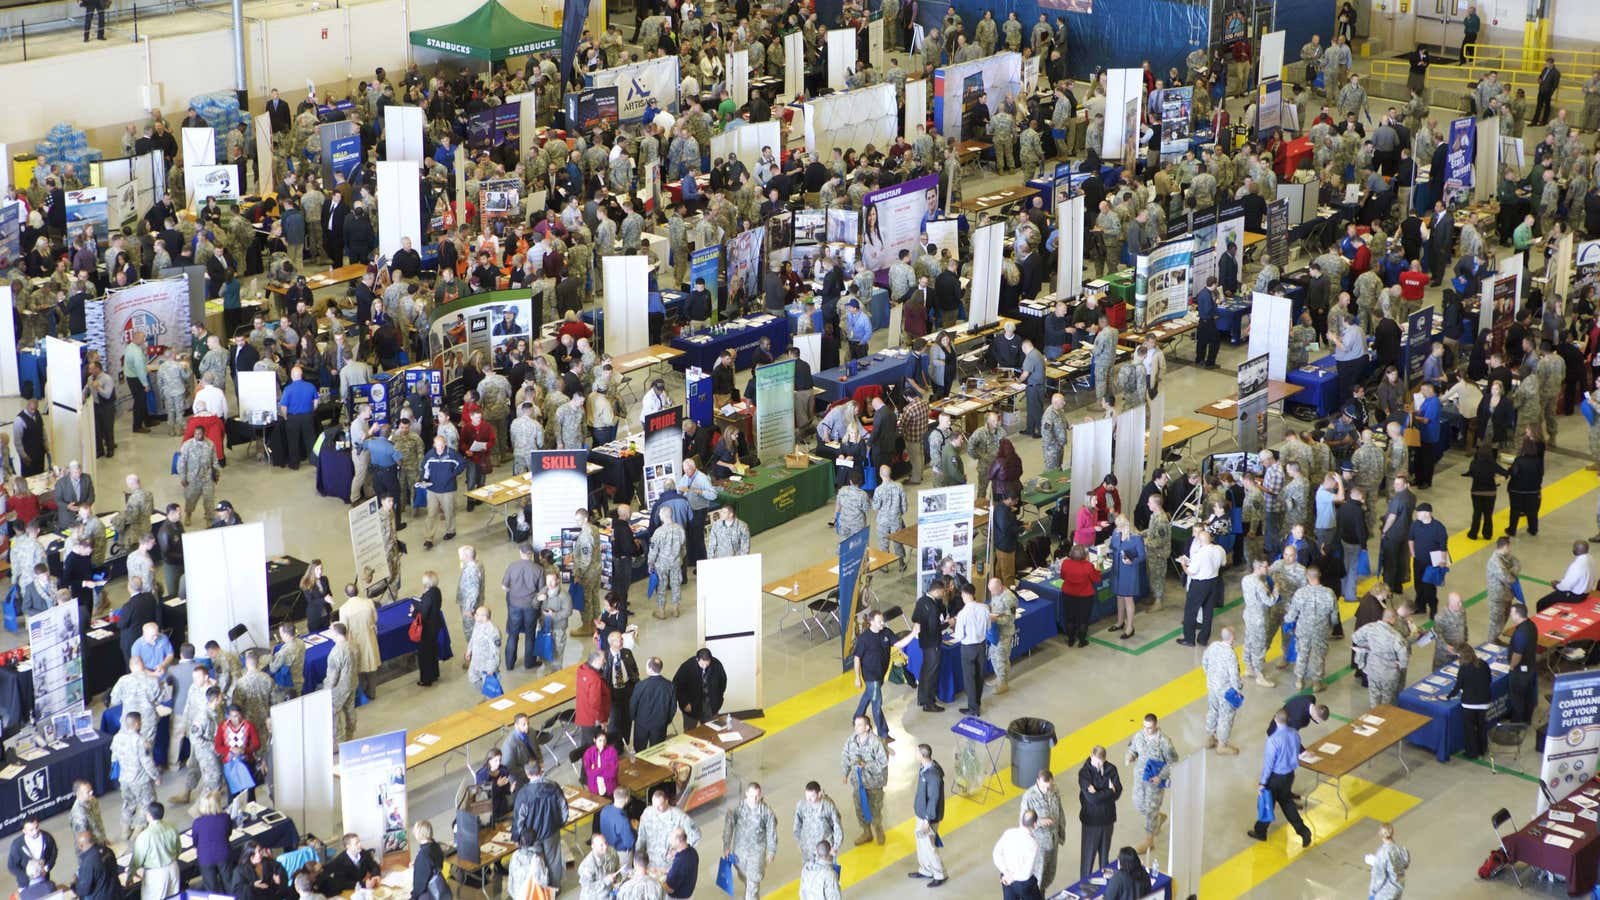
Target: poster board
{"type": "Point", "coordinates": [87, 207]}
{"type": "Point", "coordinates": [1270, 320]}
{"type": "Point", "coordinates": [327, 133]}
{"type": "Point", "coordinates": [1486, 160]}
{"type": "Point", "coordinates": [1585, 268]}
{"type": "Point", "coordinates": [266, 167]}
{"type": "Point", "coordinates": [1251, 390]}
{"type": "Point", "coordinates": [399, 206]}
{"type": "Point", "coordinates": [402, 133]}
{"type": "Point", "coordinates": [57, 656]}
{"type": "Point", "coordinates": [1161, 287]}
{"type": "Point", "coordinates": [158, 308]}
{"type": "Point", "coordinates": [728, 623]}
{"type": "Point", "coordinates": [916, 105]}
{"type": "Point", "coordinates": [841, 52]}
{"type": "Point", "coordinates": [1460, 157]}
{"type": "Point", "coordinates": [794, 60]}
{"type": "Point", "coordinates": [944, 531]}
{"type": "Point", "coordinates": [71, 418]}
{"type": "Point", "coordinates": [303, 737]}
{"type": "Point", "coordinates": [738, 70]}
{"type": "Point", "coordinates": [1177, 105]}
{"type": "Point", "coordinates": [852, 560]}
{"type": "Point", "coordinates": [988, 246]}
{"type": "Point", "coordinates": [198, 146]}
{"type": "Point", "coordinates": [1278, 233]}
{"type": "Point", "coordinates": [627, 303]}
{"type": "Point", "coordinates": [10, 379]}
{"type": "Point", "coordinates": [1122, 86]}
{"type": "Point", "coordinates": [663, 452]}
{"type": "Point", "coordinates": [637, 83]}
{"type": "Point", "coordinates": [1128, 449]}
{"type": "Point", "coordinates": [775, 409]}
{"type": "Point", "coordinates": [10, 234]}
{"type": "Point", "coordinates": [258, 397]}
{"type": "Point", "coordinates": [699, 770]}
{"type": "Point", "coordinates": [1091, 459]}
{"type": "Point", "coordinates": [894, 217]}
{"type": "Point", "coordinates": [202, 182]}
{"type": "Point", "coordinates": [367, 547]}
{"type": "Point", "coordinates": [1269, 108]}
{"type": "Point", "coordinates": [372, 791]}
{"type": "Point", "coordinates": [225, 571]}
{"type": "Point", "coordinates": [959, 88]}
{"type": "Point", "coordinates": [1185, 859]}
{"type": "Point", "coordinates": [561, 481]}
{"type": "Point", "coordinates": [1271, 65]}
{"type": "Point", "coordinates": [1572, 739]}
{"type": "Point", "coordinates": [1502, 298]}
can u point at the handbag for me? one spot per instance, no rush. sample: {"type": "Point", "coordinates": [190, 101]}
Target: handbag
{"type": "Point", "coordinates": [1264, 806]}
{"type": "Point", "coordinates": [725, 875]}
{"type": "Point", "coordinates": [491, 686]}
{"type": "Point", "coordinates": [544, 645]}
{"type": "Point", "coordinates": [1587, 409]}
{"type": "Point", "coordinates": [11, 609]}
{"type": "Point", "coordinates": [1434, 575]}
{"type": "Point", "coordinates": [238, 775]}
{"type": "Point", "coordinates": [652, 585]}
{"type": "Point", "coordinates": [415, 631]}
{"type": "Point", "coordinates": [1363, 563]}
{"type": "Point", "coordinates": [283, 677]}
{"type": "Point", "coordinates": [1234, 698]}
{"type": "Point", "coordinates": [861, 797]}
{"type": "Point", "coordinates": [1516, 591]}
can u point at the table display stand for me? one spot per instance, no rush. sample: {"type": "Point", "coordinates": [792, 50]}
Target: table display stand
{"type": "Point", "coordinates": [977, 742]}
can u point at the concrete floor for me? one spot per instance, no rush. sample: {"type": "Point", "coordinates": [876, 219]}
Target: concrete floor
{"type": "Point", "coordinates": [1094, 696]}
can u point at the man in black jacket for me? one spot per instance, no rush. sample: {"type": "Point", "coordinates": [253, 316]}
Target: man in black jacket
{"type": "Point", "coordinates": [97, 877]}
{"type": "Point", "coordinates": [55, 208]}
{"type": "Point", "coordinates": [220, 269]}
{"type": "Point", "coordinates": [929, 616]}
{"type": "Point", "coordinates": [359, 239]}
{"type": "Point", "coordinates": [697, 307]}
{"type": "Point", "coordinates": [538, 815]}
{"type": "Point", "coordinates": [142, 607]}
{"type": "Point", "coordinates": [406, 261]}
{"type": "Point", "coordinates": [947, 294]}
{"type": "Point", "coordinates": [699, 686]}
{"type": "Point", "coordinates": [278, 112]}
{"type": "Point", "coordinates": [651, 706]}
{"type": "Point", "coordinates": [349, 869]}
{"type": "Point", "coordinates": [33, 843]}
{"type": "Point", "coordinates": [621, 673]}
{"type": "Point", "coordinates": [928, 807]}
{"type": "Point", "coordinates": [243, 358]}
{"type": "Point", "coordinates": [1350, 520]}
{"type": "Point", "coordinates": [1099, 788]}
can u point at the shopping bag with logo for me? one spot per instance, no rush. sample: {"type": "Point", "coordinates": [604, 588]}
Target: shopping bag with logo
{"type": "Point", "coordinates": [491, 686]}
{"type": "Point", "coordinates": [1264, 806]}
{"type": "Point", "coordinates": [725, 875]}
{"type": "Point", "coordinates": [239, 776]}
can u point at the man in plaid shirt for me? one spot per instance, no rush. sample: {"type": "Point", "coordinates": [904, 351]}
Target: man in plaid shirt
{"type": "Point", "coordinates": [914, 429]}
{"type": "Point", "coordinates": [1272, 479]}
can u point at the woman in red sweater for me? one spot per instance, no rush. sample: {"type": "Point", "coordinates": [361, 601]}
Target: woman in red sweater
{"type": "Point", "coordinates": [1079, 580]}
{"type": "Point", "coordinates": [237, 740]}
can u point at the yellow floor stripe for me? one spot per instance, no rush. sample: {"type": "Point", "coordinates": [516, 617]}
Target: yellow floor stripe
{"type": "Point", "coordinates": [1252, 866]}
{"type": "Point", "coordinates": [863, 862]}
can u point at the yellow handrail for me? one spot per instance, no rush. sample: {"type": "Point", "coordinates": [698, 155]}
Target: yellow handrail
{"type": "Point", "coordinates": [1459, 77]}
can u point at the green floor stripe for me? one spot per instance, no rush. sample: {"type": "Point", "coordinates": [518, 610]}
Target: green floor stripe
{"type": "Point", "coordinates": [1537, 580]}
{"type": "Point", "coordinates": [1122, 646]}
{"type": "Point", "coordinates": [1480, 761]}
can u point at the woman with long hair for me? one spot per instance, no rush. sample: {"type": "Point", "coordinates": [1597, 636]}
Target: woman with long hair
{"type": "Point", "coordinates": [1131, 881]}
{"type": "Point", "coordinates": [315, 589]}
{"type": "Point", "coordinates": [1525, 481]}
{"type": "Point", "coordinates": [1129, 580]}
{"type": "Point", "coordinates": [1080, 579]}
{"type": "Point", "coordinates": [1496, 417]}
{"type": "Point", "coordinates": [1005, 473]}
{"type": "Point", "coordinates": [1483, 470]}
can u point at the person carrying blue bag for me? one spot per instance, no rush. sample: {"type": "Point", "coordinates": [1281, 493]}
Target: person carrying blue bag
{"type": "Point", "coordinates": [1430, 558]}
{"type": "Point", "coordinates": [865, 763]}
{"type": "Point", "coordinates": [1280, 759]}
{"type": "Point", "coordinates": [1224, 692]}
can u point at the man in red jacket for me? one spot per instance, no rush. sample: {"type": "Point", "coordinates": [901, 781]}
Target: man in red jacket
{"type": "Point", "coordinates": [594, 699]}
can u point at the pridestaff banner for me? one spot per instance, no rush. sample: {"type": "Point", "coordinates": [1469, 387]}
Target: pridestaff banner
{"type": "Point", "coordinates": [1458, 160]}
{"type": "Point", "coordinates": [775, 410]}
{"type": "Point", "coordinates": [893, 219]}
{"type": "Point", "coordinates": [944, 531]}
{"type": "Point", "coordinates": [372, 790]}
{"type": "Point", "coordinates": [1572, 742]}
{"type": "Point", "coordinates": [1161, 287]}
{"type": "Point", "coordinates": [561, 482]}
{"type": "Point", "coordinates": [638, 83]}
{"type": "Point", "coordinates": [158, 309]}
{"type": "Point", "coordinates": [663, 452]}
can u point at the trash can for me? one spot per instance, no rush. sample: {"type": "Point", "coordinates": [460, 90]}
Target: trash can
{"type": "Point", "coordinates": [1031, 740]}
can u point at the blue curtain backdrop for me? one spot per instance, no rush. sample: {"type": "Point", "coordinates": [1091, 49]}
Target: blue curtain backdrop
{"type": "Point", "coordinates": [1300, 19]}
{"type": "Point", "coordinates": [1119, 34]}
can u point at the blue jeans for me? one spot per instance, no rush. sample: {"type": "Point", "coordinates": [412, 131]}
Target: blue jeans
{"type": "Point", "coordinates": [520, 621]}
{"type": "Point", "coordinates": [873, 696]}
{"type": "Point", "coordinates": [1272, 533]}
{"type": "Point", "coordinates": [1352, 554]}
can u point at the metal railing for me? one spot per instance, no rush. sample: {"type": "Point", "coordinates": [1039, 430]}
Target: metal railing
{"type": "Point", "coordinates": [1459, 78]}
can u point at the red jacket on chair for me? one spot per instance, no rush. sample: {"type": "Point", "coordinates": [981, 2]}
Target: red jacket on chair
{"type": "Point", "coordinates": [594, 698]}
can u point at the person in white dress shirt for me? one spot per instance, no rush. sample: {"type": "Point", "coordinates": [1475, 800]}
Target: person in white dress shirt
{"type": "Point", "coordinates": [1016, 855]}
{"type": "Point", "coordinates": [1576, 583]}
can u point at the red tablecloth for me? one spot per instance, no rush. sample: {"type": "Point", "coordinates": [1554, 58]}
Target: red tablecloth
{"type": "Point", "coordinates": [675, 188]}
{"type": "Point", "coordinates": [1568, 622]}
{"type": "Point", "coordinates": [1289, 155]}
{"type": "Point", "coordinates": [1575, 863]}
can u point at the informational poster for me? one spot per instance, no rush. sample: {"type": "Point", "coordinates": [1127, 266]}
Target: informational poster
{"type": "Point", "coordinates": [221, 182]}
{"type": "Point", "coordinates": [1278, 233]}
{"type": "Point", "coordinates": [10, 235]}
{"type": "Point", "coordinates": [374, 395]}
{"type": "Point", "coordinates": [639, 83]}
{"type": "Point", "coordinates": [1269, 108]}
{"type": "Point", "coordinates": [944, 531]}
{"type": "Point", "coordinates": [705, 264]}
{"type": "Point", "coordinates": [775, 409]}
{"type": "Point", "coordinates": [1176, 106]}
{"type": "Point", "coordinates": [1030, 76]}
{"type": "Point", "coordinates": [1230, 235]}
{"type": "Point", "coordinates": [561, 482]}
{"type": "Point", "coordinates": [1130, 134]}
{"type": "Point", "coordinates": [1252, 381]}
{"type": "Point", "coordinates": [484, 326]}
{"type": "Point", "coordinates": [346, 154]}
{"type": "Point", "coordinates": [1585, 268]}
{"type": "Point", "coordinates": [663, 453]}
{"type": "Point", "coordinates": [1572, 741]}
{"type": "Point", "coordinates": [1459, 157]}
{"type": "Point", "coordinates": [1252, 408]}
{"type": "Point", "coordinates": [744, 264]}
{"type": "Point", "coordinates": [852, 559]}
{"type": "Point", "coordinates": [500, 199]}
{"type": "Point", "coordinates": [429, 381]}
{"type": "Point", "coordinates": [844, 225]}
{"type": "Point", "coordinates": [1419, 336]}
{"type": "Point", "coordinates": [157, 309]}
{"type": "Point", "coordinates": [372, 790]}
{"type": "Point", "coordinates": [943, 234]}
{"type": "Point", "coordinates": [1499, 305]}
{"type": "Point", "coordinates": [87, 207]}
{"type": "Point", "coordinates": [893, 219]}
{"type": "Point", "coordinates": [57, 647]}
{"type": "Point", "coordinates": [699, 768]}
{"type": "Point", "coordinates": [495, 126]}
{"type": "Point", "coordinates": [697, 391]}
{"type": "Point", "coordinates": [591, 108]}
{"type": "Point", "coordinates": [258, 397]}
{"type": "Point", "coordinates": [367, 546]}
{"type": "Point", "coordinates": [1161, 285]}
{"type": "Point", "coordinates": [1203, 229]}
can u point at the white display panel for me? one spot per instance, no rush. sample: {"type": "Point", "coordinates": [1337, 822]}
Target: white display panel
{"type": "Point", "coordinates": [258, 396]}
{"type": "Point", "coordinates": [841, 56]}
{"type": "Point", "coordinates": [988, 244]}
{"type": "Point", "coordinates": [1091, 460]}
{"type": "Point", "coordinates": [402, 133]}
{"type": "Point", "coordinates": [1270, 320]}
{"type": "Point", "coordinates": [728, 623]}
{"type": "Point", "coordinates": [302, 762]}
{"type": "Point", "coordinates": [627, 303]}
{"type": "Point", "coordinates": [1271, 56]}
{"type": "Point", "coordinates": [225, 572]}
{"type": "Point", "coordinates": [199, 147]}
{"type": "Point", "coordinates": [399, 206]}
{"type": "Point", "coordinates": [851, 119]}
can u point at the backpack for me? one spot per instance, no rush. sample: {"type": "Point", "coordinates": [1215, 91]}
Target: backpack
{"type": "Point", "coordinates": [438, 888]}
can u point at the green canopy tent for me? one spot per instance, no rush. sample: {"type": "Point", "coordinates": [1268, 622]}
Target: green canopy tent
{"type": "Point", "coordinates": [491, 32]}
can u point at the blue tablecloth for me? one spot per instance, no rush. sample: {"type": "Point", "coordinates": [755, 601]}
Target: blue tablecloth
{"type": "Point", "coordinates": [1319, 386]}
{"type": "Point", "coordinates": [1105, 603]}
{"type": "Point", "coordinates": [1231, 315]}
{"type": "Point", "coordinates": [1445, 732]}
{"type": "Point", "coordinates": [111, 723]}
{"type": "Point", "coordinates": [394, 621]}
{"type": "Point", "coordinates": [1161, 886]}
{"type": "Point", "coordinates": [45, 786]}
{"type": "Point", "coordinates": [335, 471]}
{"type": "Point", "coordinates": [881, 368]}
{"type": "Point", "coordinates": [1035, 622]}
{"type": "Point", "coordinates": [742, 341]}
{"type": "Point", "coordinates": [30, 373]}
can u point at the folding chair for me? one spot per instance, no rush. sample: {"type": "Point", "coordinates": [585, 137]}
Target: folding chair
{"type": "Point", "coordinates": [1501, 817]}
{"type": "Point", "coordinates": [1509, 735]}
{"type": "Point", "coordinates": [557, 728]}
{"type": "Point", "coordinates": [820, 611]}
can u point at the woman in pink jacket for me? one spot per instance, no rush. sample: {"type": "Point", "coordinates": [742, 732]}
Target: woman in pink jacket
{"type": "Point", "coordinates": [600, 766]}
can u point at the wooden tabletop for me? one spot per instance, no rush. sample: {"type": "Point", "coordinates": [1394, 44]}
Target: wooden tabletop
{"type": "Point", "coordinates": [1228, 407]}
{"type": "Point", "coordinates": [821, 578]}
{"type": "Point", "coordinates": [907, 536]}
{"type": "Point", "coordinates": [998, 199]}
{"type": "Point", "coordinates": [961, 402]}
{"type": "Point", "coordinates": [450, 733]}
{"type": "Point", "coordinates": [644, 359]}
{"type": "Point", "coordinates": [964, 150]}
{"type": "Point", "coordinates": [640, 775]}
{"type": "Point", "coordinates": [1179, 429]}
{"type": "Point", "coordinates": [727, 732]}
{"type": "Point", "coordinates": [517, 487]}
{"type": "Point", "coordinates": [329, 278]}
{"type": "Point", "coordinates": [462, 727]}
{"type": "Point", "coordinates": [540, 696]}
{"type": "Point", "coordinates": [1353, 749]}
{"type": "Point", "coordinates": [1252, 238]}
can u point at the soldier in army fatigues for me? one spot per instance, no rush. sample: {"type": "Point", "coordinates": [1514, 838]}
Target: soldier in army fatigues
{"type": "Point", "coordinates": [1503, 572]}
{"type": "Point", "coordinates": [134, 521]}
{"type": "Point", "coordinates": [816, 818]}
{"type": "Point", "coordinates": [341, 683]}
{"type": "Point", "coordinates": [864, 762]}
{"type": "Point", "coordinates": [176, 384]}
{"type": "Point", "coordinates": [253, 695]}
{"type": "Point", "coordinates": [1221, 668]}
{"type": "Point", "coordinates": [1449, 630]}
{"type": "Point", "coordinates": [1054, 433]}
{"type": "Point", "coordinates": [526, 437]}
{"type": "Point", "coordinates": [889, 511]}
{"type": "Point", "coordinates": [1003, 134]}
{"type": "Point", "coordinates": [1311, 610]}
{"type": "Point", "coordinates": [1131, 385]}
{"type": "Point", "coordinates": [1031, 150]}
{"type": "Point", "coordinates": [291, 656]}
{"type": "Point", "coordinates": [1552, 371]}
{"type": "Point", "coordinates": [750, 837]}
{"type": "Point", "coordinates": [1366, 473]}
{"type": "Point", "coordinates": [1383, 655]}
{"type": "Point", "coordinates": [728, 535]}
{"type": "Point", "coordinates": [197, 473]}
{"type": "Point", "coordinates": [851, 508]}
{"type": "Point", "coordinates": [666, 556]}
{"type": "Point", "coordinates": [1003, 613]}
{"type": "Point", "coordinates": [137, 772]}
{"type": "Point", "coordinates": [1157, 550]}
{"type": "Point", "coordinates": [1260, 597]}
{"type": "Point", "coordinates": [1150, 756]}
{"type": "Point", "coordinates": [1528, 399]}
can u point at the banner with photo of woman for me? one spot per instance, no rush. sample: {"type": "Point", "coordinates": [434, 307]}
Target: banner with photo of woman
{"type": "Point", "coordinates": [894, 217]}
{"type": "Point", "coordinates": [372, 789]}
{"type": "Point", "coordinates": [1458, 160]}
{"type": "Point", "coordinates": [1161, 285]}
{"type": "Point", "coordinates": [744, 265]}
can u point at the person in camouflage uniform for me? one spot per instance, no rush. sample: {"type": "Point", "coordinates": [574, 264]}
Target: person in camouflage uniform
{"type": "Point", "coordinates": [197, 474]}
{"type": "Point", "coordinates": [483, 648]}
{"type": "Point", "coordinates": [1260, 598]}
{"type": "Point", "coordinates": [175, 383]}
{"type": "Point", "coordinates": [1054, 433]}
{"type": "Point", "coordinates": [137, 772]}
{"type": "Point", "coordinates": [1449, 630]}
{"type": "Point", "coordinates": [291, 656]}
{"type": "Point", "coordinates": [889, 507]}
{"type": "Point", "coordinates": [1102, 357]}
{"type": "Point", "coordinates": [1367, 473]}
{"type": "Point", "coordinates": [1301, 337]}
{"type": "Point", "coordinates": [1311, 610]}
{"type": "Point", "coordinates": [816, 818]}
{"type": "Point", "coordinates": [253, 695]}
{"type": "Point", "coordinates": [728, 535]}
{"type": "Point", "coordinates": [1221, 668]}
{"type": "Point", "coordinates": [1003, 134]}
{"type": "Point", "coordinates": [527, 436]}
{"type": "Point", "coordinates": [1552, 372]}
{"type": "Point", "coordinates": [469, 586]}
{"type": "Point", "coordinates": [569, 418]}
{"type": "Point", "coordinates": [134, 521]}
{"type": "Point", "coordinates": [1003, 616]}
{"type": "Point", "coordinates": [1503, 572]}
{"type": "Point", "coordinates": [1031, 150]}
{"type": "Point", "coordinates": [665, 556]}
{"type": "Point", "coordinates": [1528, 399]}
{"type": "Point", "coordinates": [138, 691]}
{"type": "Point", "coordinates": [750, 837]}
{"type": "Point", "coordinates": [1150, 756]}
{"type": "Point", "coordinates": [864, 761]}
{"type": "Point", "coordinates": [851, 508]}
{"type": "Point", "coordinates": [983, 445]}
{"type": "Point", "coordinates": [1044, 801]}
{"type": "Point", "coordinates": [408, 444]}
{"type": "Point", "coordinates": [85, 813]}
{"type": "Point", "coordinates": [494, 395]}
{"type": "Point", "coordinates": [586, 571]}
{"type": "Point", "coordinates": [1296, 492]}
{"type": "Point", "coordinates": [341, 683]}
{"type": "Point", "coordinates": [1131, 382]}
{"type": "Point", "coordinates": [1157, 550]}
{"type": "Point", "coordinates": [1383, 655]}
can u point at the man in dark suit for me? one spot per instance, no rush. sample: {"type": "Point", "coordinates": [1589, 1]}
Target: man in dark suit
{"type": "Point", "coordinates": [651, 706]}
{"type": "Point", "coordinates": [34, 843]}
{"type": "Point", "coordinates": [1438, 165]}
{"type": "Point", "coordinates": [1411, 235]}
{"type": "Point", "coordinates": [243, 358]}
{"type": "Point", "coordinates": [1549, 82]}
{"type": "Point", "coordinates": [1440, 237]}
{"type": "Point", "coordinates": [347, 870]}
{"type": "Point", "coordinates": [220, 269]}
{"type": "Point", "coordinates": [1318, 292]}
{"type": "Point", "coordinates": [885, 431]}
{"type": "Point", "coordinates": [929, 615]}
{"type": "Point", "coordinates": [142, 607]}
{"type": "Point", "coordinates": [947, 295]}
{"type": "Point", "coordinates": [1156, 487]}
{"type": "Point", "coordinates": [1032, 268]}
{"type": "Point", "coordinates": [73, 490]}
{"type": "Point", "coordinates": [55, 208]}
{"type": "Point", "coordinates": [278, 113]}
{"type": "Point", "coordinates": [333, 227]}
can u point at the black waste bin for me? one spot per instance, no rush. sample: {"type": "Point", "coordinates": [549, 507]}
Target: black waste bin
{"type": "Point", "coordinates": [1031, 740]}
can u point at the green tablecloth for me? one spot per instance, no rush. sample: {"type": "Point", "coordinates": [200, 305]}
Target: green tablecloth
{"type": "Point", "coordinates": [1060, 483]}
{"type": "Point", "coordinates": [776, 495]}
